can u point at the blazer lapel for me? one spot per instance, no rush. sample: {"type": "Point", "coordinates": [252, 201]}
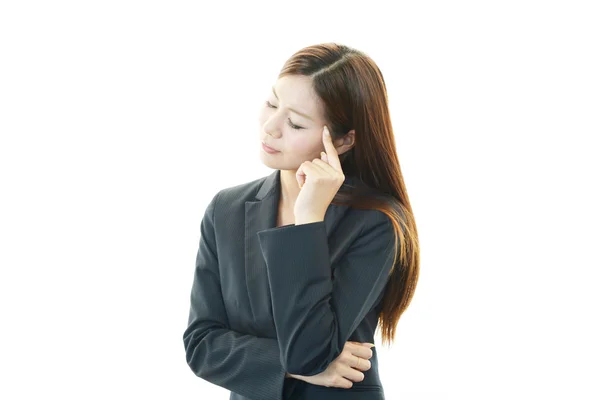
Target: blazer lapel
{"type": "Point", "coordinates": [260, 214]}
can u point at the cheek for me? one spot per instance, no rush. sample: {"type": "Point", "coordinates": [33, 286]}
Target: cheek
{"type": "Point", "coordinates": [304, 146]}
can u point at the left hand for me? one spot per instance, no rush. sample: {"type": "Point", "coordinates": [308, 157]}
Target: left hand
{"type": "Point", "coordinates": [319, 181]}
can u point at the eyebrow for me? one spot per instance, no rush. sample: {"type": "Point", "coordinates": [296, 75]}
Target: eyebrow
{"type": "Point", "coordinates": [291, 109]}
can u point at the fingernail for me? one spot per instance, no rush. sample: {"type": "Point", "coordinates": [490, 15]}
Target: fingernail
{"type": "Point", "coordinates": [326, 131]}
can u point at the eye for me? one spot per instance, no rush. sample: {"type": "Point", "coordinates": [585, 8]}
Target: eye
{"type": "Point", "coordinates": [289, 120]}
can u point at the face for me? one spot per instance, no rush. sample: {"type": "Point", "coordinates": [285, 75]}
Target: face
{"type": "Point", "coordinates": [291, 121]}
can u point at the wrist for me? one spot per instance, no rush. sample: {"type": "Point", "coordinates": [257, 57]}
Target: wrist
{"type": "Point", "coordinates": [308, 219]}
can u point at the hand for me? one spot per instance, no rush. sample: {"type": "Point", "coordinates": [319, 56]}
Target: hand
{"type": "Point", "coordinates": [319, 181]}
{"type": "Point", "coordinates": [345, 369]}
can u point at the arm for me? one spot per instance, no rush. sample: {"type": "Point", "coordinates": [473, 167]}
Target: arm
{"type": "Point", "coordinates": [314, 313]}
{"type": "Point", "coordinates": [244, 364]}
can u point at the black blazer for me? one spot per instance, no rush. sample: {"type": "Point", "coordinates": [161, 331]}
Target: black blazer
{"type": "Point", "coordinates": [267, 299]}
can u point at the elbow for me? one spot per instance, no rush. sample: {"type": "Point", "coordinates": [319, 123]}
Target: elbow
{"type": "Point", "coordinates": [196, 346]}
{"type": "Point", "coordinates": [194, 351]}
{"type": "Point", "coordinates": [193, 336]}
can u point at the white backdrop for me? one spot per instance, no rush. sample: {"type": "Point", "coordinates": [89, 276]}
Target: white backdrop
{"type": "Point", "coordinates": [120, 120]}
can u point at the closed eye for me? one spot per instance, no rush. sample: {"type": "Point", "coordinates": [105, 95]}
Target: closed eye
{"type": "Point", "coordinates": [289, 120]}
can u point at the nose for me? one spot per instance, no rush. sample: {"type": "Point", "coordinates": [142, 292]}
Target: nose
{"type": "Point", "coordinates": [272, 126]}
{"type": "Point", "coordinates": [270, 131]}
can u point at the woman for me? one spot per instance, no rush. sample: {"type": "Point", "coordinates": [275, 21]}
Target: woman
{"type": "Point", "coordinates": [295, 270]}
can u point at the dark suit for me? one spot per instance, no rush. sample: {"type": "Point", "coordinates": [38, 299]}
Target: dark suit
{"type": "Point", "coordinates": [267, 299]}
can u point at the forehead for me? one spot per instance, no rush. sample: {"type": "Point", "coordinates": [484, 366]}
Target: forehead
{"type": "Point", "coordinates": [296, 92]}
{"type": "Point", "coordinates": [298, 84]}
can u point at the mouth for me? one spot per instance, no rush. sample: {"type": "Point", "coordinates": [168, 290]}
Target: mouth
{"type": "Point", "coordinates": [269, 148]}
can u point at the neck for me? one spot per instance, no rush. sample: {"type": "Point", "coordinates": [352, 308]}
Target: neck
{"type": "Point", "coordinates": [289, 188]}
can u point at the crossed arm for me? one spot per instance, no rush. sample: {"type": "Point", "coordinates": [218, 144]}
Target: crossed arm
{"type": "Point", "coordinates": [314, 314]}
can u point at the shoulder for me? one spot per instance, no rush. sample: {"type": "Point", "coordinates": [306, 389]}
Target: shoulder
{"type": "Point", "coordinates": [375, 224]}
{"type": "Point", "coordinates": [376, 220]}
{"type": "Point", "coordinates": [245, 191]}
{"type": "Point", "coordinates": [374, 216]}
{"type": "Point", "coordinates": [231, 196]}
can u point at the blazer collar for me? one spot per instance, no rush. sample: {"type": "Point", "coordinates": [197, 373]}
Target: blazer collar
{"type": "Point", "coordinates": [270, 183]}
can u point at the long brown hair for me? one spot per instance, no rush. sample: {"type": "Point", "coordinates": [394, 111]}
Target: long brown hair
{"type": "Point", "coordinates": [354, 96]}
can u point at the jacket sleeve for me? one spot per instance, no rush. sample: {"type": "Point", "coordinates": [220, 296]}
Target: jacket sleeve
{"type": "Point", "coordinates": [317, 309]}
{"type": "Point", "coordinates": [245, 364]}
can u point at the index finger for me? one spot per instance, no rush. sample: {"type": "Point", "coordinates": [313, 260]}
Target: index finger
{"type": "Point", "coordinates": [332, 155]}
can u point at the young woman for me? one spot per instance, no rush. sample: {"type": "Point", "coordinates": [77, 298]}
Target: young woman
{"type": "Point", "coordinates": [295, 270]}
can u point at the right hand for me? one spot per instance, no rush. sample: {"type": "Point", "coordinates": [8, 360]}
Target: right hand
{"type": "Point", "coordinates": [345, 369]}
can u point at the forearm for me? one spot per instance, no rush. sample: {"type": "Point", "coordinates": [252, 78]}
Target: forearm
{"type": "Point", "coordinates": [313, 316]}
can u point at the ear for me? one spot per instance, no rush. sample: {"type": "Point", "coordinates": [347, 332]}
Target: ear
{"type": "Point", "coordinates": [345, 143]}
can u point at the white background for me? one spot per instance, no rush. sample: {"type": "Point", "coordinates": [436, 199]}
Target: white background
{"type": "Point", "coordinates": [120, 120]}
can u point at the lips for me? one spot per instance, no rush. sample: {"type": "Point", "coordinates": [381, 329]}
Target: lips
{"type": "Point", "coordinates": [269, 147]}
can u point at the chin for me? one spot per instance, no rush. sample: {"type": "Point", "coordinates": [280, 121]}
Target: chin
{"type": "Point", "coordinates": [266, 160]}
